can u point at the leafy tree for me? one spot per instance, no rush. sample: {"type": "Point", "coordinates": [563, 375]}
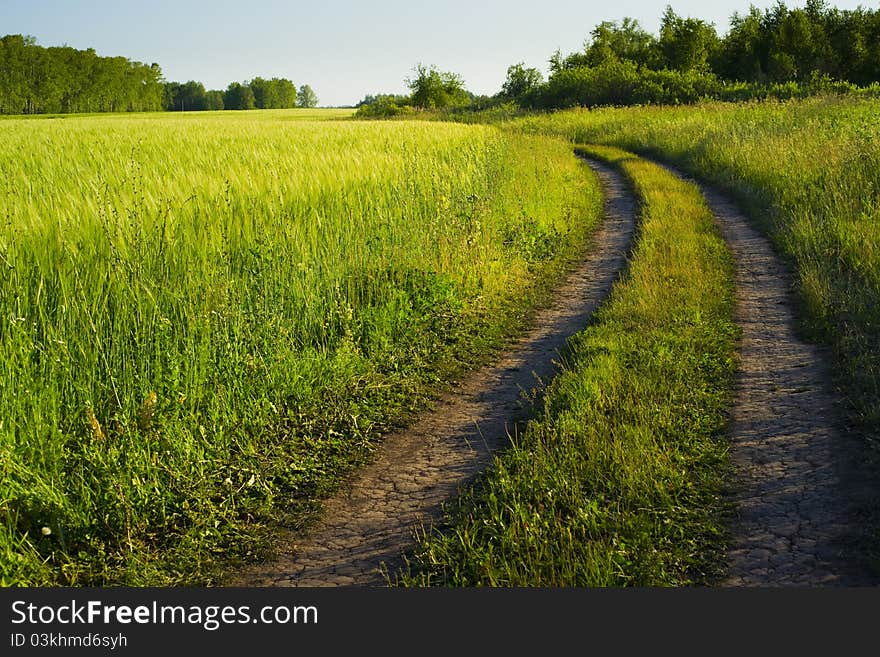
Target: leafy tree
{"type": "Point", "coordinates": [12, 73]}
{"type": "Point", "coordinates": [520, 81]}
{"type": "Point", "coordinates": [624, 41]}
{"type": "Point", "coordinates": [686, 44]}
{"type": "Point", "coordinates": [384, 105]}
{"type": "Point", "coordinates": [191, 96]}
{"type": "Point", "coordinates": [214, 100]}
{"type": "Point", "coordinates": [778, 52]}
{"type": "Point", "coordinates": [870, 66]}
{"type": "Point", "coordinates": [743, 52]}
{"type": "Point", "coordinates": [572, 61]}
{"type": "Point", "coordinates": [238, 97]}
{"type": "Point", "coordinates": [264, 93]}
{"type": "Point", "coordinates": [277, 93]}
{"type": "Point", "coordinates": [799, 44]}
{"type": "Point", "coordinates": [432, 88]}
{"type": "Point", "coordinates": [556, 61]}
{"type": "Point", "coordinates": [306, 97]}
{"type": "Point", "coordinates": [617, 82]}
{"type": "Point", "coordinates": [816, 47]}
{"type": "Point", "coordinates": [284, 92]}
{"type": "Point", "coordinates": [34, 79]}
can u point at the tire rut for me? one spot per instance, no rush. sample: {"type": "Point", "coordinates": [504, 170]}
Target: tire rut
{"type": "Point", "coordinates": [801, 489]}
{"type": "Point", "coordinates": [366, 528]}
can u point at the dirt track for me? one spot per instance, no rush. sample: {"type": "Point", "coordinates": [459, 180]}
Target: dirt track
{"type": "Point", "coordinates": [802, 491]}
{"type": "Point", "coordinates": [370, 524]}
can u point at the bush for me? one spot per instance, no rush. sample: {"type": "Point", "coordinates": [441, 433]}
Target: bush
{"type": "Point", "coordinates": [616, 82]}
{"type": "Point", "coordinates": [384, 106]}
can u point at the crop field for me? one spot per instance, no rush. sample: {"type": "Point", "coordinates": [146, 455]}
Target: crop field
{"type": "Point", "coordinates": [272, 115]}
{"type": "Point", "coordinates": [206, 320]}
{"type": "Point", "coordinates": [809, 171]}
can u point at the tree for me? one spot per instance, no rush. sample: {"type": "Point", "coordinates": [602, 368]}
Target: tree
{"type": "Point", "coordinates": [799, 44]}
{"type": "Point", "coordinates": [264, 93]}
{"type": "Point", "coordinates": [384, 105]}
{"type": "Point", "coordinates": [34, 79]}
{"type": "Point", "coordinates": [520, 81]}
{"type": "Point", "coordinates": [214, 100]}
{"type": "Point", "coordinates": [624, 41]}
{"type": "Point", "coordinates": [686, 44]}
{"type": "Point", "coordinates": [191, 97]}
{"type": "Point", "coordinates": [239, 97]}
{"type": "Point", "coordinates": [432, 88]}
{"type": "Point", "coordinates": [743, 52]}
{"type": "Point", "coordinates": [306, 97]}
{"type": "Point", "coordinates": [152, 88]}
{"type": "Point", "coordinates": [285, 92]}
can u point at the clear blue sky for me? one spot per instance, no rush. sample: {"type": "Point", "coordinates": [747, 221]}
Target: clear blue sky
{"type": "Point", "coordinates": [343, 49]}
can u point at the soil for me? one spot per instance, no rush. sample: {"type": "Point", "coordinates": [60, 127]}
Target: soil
{"type": "Point", "coordinates": [802, 491]}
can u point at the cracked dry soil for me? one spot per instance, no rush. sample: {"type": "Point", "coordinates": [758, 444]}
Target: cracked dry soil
{"type": "Point", "coordinates": [802, 489]}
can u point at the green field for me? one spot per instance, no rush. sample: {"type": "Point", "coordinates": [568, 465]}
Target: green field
{"type": "Point", "coordinates": [208, 319]}
{"type": "Point", "coordinates": [297, 114]}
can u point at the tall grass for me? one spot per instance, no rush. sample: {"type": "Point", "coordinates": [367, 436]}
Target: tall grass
{"type": "Point", "coordinates": [809, 172]}
{"type": "Point", "coordinates": [207, 319]}
{"type": "Point", "coordinates": [618, 481]}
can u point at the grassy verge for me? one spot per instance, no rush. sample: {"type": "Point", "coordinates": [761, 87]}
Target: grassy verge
{"type": "Point", "coordinates": [808, 173]}
{"type": "Point", "coordinates": [618, 480]}
{"type": "Point", "coordinates": [208, 320]}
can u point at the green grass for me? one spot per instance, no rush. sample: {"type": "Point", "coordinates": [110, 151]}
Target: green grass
{"type": "Point", "coordinates": [808, 172]}
{"type": "Point", "coordinates": [207, 319]}
{"type": "Point", "coordinates": [618, 480]}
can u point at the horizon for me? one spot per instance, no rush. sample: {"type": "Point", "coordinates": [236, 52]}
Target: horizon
{"type": "Point", "coordinates": [345, 51]}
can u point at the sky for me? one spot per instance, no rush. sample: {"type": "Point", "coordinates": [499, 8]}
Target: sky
{"type": "Point", "coordinates": [343, 49]}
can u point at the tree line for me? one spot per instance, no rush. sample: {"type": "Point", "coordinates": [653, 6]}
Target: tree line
{"type": "Point", "coordinates": [277, 93]}
{"type": "Point", "coordinates": [35, 80]}
{"type": "Point", "coordinates": [779, 52]}
{"type": "Point", "coordinates": [776, 45]}
{"type": "Point", "coordinates": [38, 80]}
